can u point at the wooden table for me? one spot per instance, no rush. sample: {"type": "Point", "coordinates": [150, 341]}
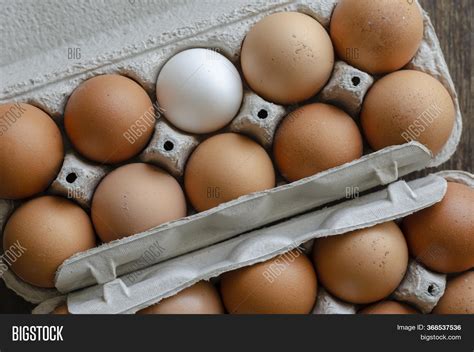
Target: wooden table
{"type": "Point", "coordinates": [452, 21]}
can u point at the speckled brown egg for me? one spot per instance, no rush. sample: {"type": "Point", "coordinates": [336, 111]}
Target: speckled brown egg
{"type": "Point", "coordinates": [458, 297]}
{"type": "Point", "coordinates": [408, 106]}
{"type": "Point", "coordinates": [362, 266]}
{"type": "Point", "coordinates": [283, 285]}
{"type": "Point", "coordinates": [109, 118]}
{"type": "Point", "coordinates": [442, 236]}
{"type": "Point", "coordinates": [135, 198]}
{"type": "Point", "coordinates": [45, 232]}
{"type": "Point", "coordinates": [389, 307]}
{"type": "Point", "coordinates": [315, 138]}
{"type": "Point", "coordinates": [31, 150]}
{"type": "Point", "coordinates": [287, 57]}
{"type": "Point", "coordinates": [224, 167]}
{"type": "Point", "coordinates": [201, 298]}
{"type": "Point", "coordinates": [377, 36]}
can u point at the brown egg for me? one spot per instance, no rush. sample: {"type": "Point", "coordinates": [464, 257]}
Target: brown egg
{"type": "Point", "coordinates": [283, 285]}
{"type": "Point", "coordinates": [377, 36]}
{"type": "Point", "coordinates": [442, 236]}
{"type": "Point", "coordinates": [315, 138]}
{"type": "Point", "coordinates": [287, 57]}
{"type": "Point", "coordinates": [134, 198]}
{"type": "Point", "coordinates": [109, 118]}
{"type": "Point", "coordinates": [388, 307]}
{"type": "Point", "coordinates": [201, 298]}
{"type": "Point", "coordinates": [458, 297]}
{"type": "Point", "coordinates": [362, 266]}
{"type": "Point", "coordinates": [31, 150]}
{"type": "Point", "coordinates": [224, 167]}
{"type": "Point", "coordinates": [408, 105]}
{"type": "Point", "coordinates": [61, 310]}
{"type": "Point", "coordinates": [45, 232]}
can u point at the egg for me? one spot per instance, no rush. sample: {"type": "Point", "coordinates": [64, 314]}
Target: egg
{"type": "Point", "coordinates": [377, 36]}
{"type": "Point", "coordinates": [46, 231]}
{"type": "Point", "coordinates": [225, 167]}
{"type": "Point", "coordinates": [286, 284]}
{"type": "Point", "coordinates": [109, 118]}
{"type": "Point", "coordinates": [61, 310]}
{"type": "Point", "coordinates": [315, 138]}
{"type": "Point", "coordinates": [362, 266]}
{"type": "Point", "coordinates": [458, 297]}
{"type": "Point", "coordinates": [407, 105]}
{"type": "Point", "coordinates": [201, 298]}
{"type": "Point", "coordinates": [31, 150]}
{"type": "Point", "coordinates": [199, 90]}
{"type": "Point", "coordinates": [287, 57]}
{"type": "Point", "coordinates": [134, 198]}
{"type": "Point", "coordinates": [442, 236]}
{"type": "Point", "coordinates": [388, 307]}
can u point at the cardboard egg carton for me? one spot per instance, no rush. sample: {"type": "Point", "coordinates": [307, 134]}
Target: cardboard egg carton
{"type": "Point", "coordinates": [420, 287]}
{"type": "Point", "coordinates": [220, 28]}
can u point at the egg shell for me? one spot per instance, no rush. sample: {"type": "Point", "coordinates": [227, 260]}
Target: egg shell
{"type": "Point", "coordinates": [61, 310]}
{"type": "Point", "coordinates": [201, 298]}
{"type": "Point", "coordinates": [31, 150]}
{"type": "Point", "coordinates": [199, 90]}
{"type": "Point", "coordinates": [362, 266]}
{"type": "Point", "coordinates": [442, 236]}
{"type": "Point", "coordinates": [377, 36]}
{"type": "Point", "coordinates": [135, 198]}
{"type": "Point", "coordinates": [388, 307]}
{"type": "Point", "coordinates": [458, 297]}
{"type": "Point", "coordinates": [315, 138]}
{"type": "Point", "coordinates": [286, 284]}
{"type": "Point", "coordinates": [287, 57]}
{"type": "Point", "coordinates": [46, 231]}
{"type": "Point", "coordinates": [225, 167]}
{"type": "Point", "coordinates": [109, 118]}
{"type": "Point", "coordinates": [408, 105]}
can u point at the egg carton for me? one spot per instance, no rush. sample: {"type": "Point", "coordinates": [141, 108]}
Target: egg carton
{"type": "Point", "coordinates": [109, 261]}
{"type": "Point", "coordinates": [420, 287]}
{"type": "Point", "coordinates": [219, 28]}
{"type": "Point", "coordinates": [140, 289]}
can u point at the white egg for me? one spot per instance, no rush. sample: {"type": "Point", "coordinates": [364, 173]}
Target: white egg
{"type": "Point", "coordinates": [199, 90]}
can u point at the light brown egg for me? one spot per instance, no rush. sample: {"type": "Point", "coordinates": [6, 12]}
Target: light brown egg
{"type": "Point", "coordinates": [61, 310]}
{"type": "Point", "coordinates": [201, 298]}
{"type": "Point", "coordinates": [31, 150]}
{"type": "Point", "coordinates": [134, 198]}
{"type": "Point", "coordinates": [287, 57]}
{"type": "Point", "coordinates": [315, 138]}
{"type": "Point", "coordinates": [377, 36]}
{"type": "Point", "coordinates": [283, 285]}
{"type": "Point", "coordinates": [408, 105]}
{"type": "Point", "coordinates": [362, 266]}
{"type": "Point", "coordinates": [45, 232]}
{"type": "Point", "coordinates": [458, 297]}
{"type": "Point", "coordinates": [224, 167]}
{"type": "Point", "coordinates": [388, 307]}
{"type": "Point", "coordinates": [442, 236]}
{"type": "Point", "coordinates": [109, 118]}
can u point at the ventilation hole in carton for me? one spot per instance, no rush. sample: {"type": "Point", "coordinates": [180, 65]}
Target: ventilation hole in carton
{"type": "Point", "coordinates": [355, 81]}
{"type": "Point", "coordinates": [168, 146]}
{"type": "Point", "coordinates": [71, 177]}
{"type": "Point", "coordinates": [262, 114]}
{"type": "Point", "coordinates": [431, 289]}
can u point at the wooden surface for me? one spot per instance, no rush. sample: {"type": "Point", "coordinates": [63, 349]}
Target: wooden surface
{"type": "Point", "coordinates": [452, 20]}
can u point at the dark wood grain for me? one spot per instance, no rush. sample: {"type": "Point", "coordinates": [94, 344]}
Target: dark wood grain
{"type": "Point", "coordinates": [452, 20]}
